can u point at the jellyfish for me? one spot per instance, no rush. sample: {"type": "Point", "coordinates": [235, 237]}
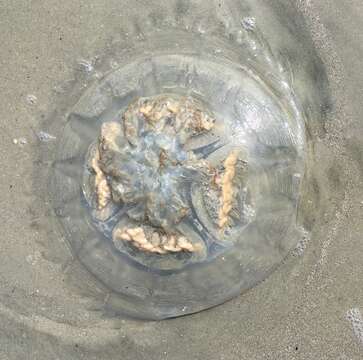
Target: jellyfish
{"type": "Point", "coordinates": [178, 176]}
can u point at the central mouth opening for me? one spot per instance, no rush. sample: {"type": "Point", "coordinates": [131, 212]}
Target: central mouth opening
{"type": "Point", "coordinates": [164, 162]}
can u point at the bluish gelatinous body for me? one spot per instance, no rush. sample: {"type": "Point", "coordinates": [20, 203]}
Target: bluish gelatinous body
{"type": "Point", "coordinates": [178, 177]}
{"type": "Point", "coordinates": [150, 162]}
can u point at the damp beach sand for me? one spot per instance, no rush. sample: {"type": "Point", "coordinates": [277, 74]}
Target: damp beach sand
{"type": "Point", "coordinates": [310, 308]}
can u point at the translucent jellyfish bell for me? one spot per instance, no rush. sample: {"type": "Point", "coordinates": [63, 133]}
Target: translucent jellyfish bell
{"type": "Point", "coordinates": [178, 177]}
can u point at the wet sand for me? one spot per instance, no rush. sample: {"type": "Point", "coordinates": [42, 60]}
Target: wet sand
{"type": "Point", "coordinates": [310, 308]}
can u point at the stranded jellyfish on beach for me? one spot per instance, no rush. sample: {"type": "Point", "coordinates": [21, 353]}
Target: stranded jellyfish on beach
{"type": "Point", "coordinates": [177, 176]}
